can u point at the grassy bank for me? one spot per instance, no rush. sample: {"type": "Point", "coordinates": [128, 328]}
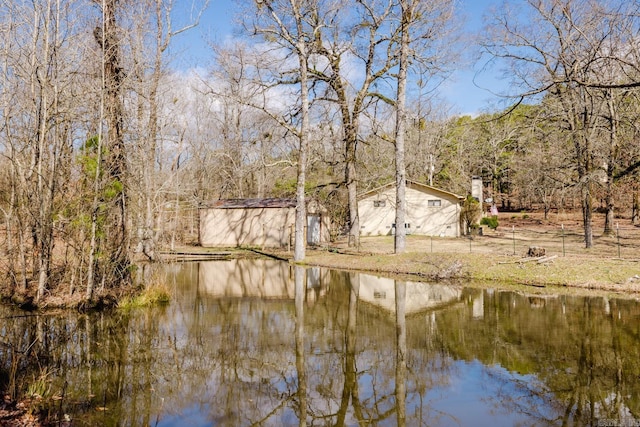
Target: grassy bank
{"type": "Point", "coordinates": [499, 256]}
{"type": "Point", "coordinates": [579, 272]}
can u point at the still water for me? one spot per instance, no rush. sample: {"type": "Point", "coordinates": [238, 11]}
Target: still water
{"type": "Point", "coordinates": [260, 343]}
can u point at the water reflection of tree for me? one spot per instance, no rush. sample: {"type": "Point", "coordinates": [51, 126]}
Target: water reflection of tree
{"type": "Point", "coordinates": [300, 285]}
{"type": "Point", "coordinates": [386, 375]}
{"type": "Point", "coordinates": [603, 380]}
{"type": "Point", "coordinates": [235, 360]}
{"type": "Point", "coordinates": [401, 352]}
{"type": "Point", "coordinates": [350, 370]}
{"type": "Point", "coordinates": [584, 354]}
{"type": "Point", "coordinates": [243, 361]}
{"type": "Point", "coordinates": [76, 362]}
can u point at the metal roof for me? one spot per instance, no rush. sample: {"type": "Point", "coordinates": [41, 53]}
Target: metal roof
{"type": "Point", "coordinates": [251, 203]}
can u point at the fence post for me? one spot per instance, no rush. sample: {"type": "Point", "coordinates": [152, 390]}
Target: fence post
{"type": "Point", "coordinates": [618, 235]}
{"type": "Point", "coordinates": [513, 236]}
{"type": "Point", "coordinates": [563, 254]}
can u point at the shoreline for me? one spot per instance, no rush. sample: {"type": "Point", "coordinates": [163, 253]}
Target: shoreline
{"type": "Point", "coordinates": [552, 273]}
{"type": "Point", "coordinates": [491, 261]}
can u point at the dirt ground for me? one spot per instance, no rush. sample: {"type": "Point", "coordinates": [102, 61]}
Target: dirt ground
{"type": "Point", "coordinates": [559, 234]}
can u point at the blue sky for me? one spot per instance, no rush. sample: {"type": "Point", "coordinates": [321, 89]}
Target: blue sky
{"type": "Point", "coordinates": [460, 92]}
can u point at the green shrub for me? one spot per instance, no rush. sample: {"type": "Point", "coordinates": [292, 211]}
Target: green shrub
{"type": "Point", "coordinates": [471, 211]}
{"type": "Point", "coordinates": [490, 221]}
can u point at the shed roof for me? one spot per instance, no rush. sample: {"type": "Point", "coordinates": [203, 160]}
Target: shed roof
{"type": "Point", "coordinates": [252, 203]}
{"type": "Point", "coordinates": [412, 184]}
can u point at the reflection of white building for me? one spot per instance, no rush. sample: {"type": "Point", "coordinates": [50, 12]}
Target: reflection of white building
{"type": "Point", "coordinates": [380, 291]}
{"type": "Point", "coordinates": [241, 278]}
{"type": "Point", "coordinates": [244, 278]}
{"type": "Point", "coordinates": [602, 410]}
{"type": "Point", "coordinates": [271, 279]}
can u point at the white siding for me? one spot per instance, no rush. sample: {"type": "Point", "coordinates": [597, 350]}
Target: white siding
{"type": "Point", "coordinates": [421, 218]}
{"type": "Point", "coordinates": [376, 220]}
{"type": "Point", "coordinates": [270, 227]}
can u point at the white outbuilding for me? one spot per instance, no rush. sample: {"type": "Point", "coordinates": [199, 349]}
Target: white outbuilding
{"type": "Point", "coordinates": [259, 222]}
{"type": "Point", "coordinates": [430, 211]}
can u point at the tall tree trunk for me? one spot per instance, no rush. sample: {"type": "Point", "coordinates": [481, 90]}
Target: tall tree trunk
{"type": "Point", "coordinates": [609, 203]}
{"type": "Point", "coordinates": [43, 227]}
{"type": "Point", "coordinates": [148, 242]}
{"type": "Point", "coordinates": [93, 249]}
{"type": "Point", "coordinates": [301, 210]}
{"type": "Point", "coordinates": [352, 193]}
{"type": "Point", "coordinates": [115, 162]}
{"type": "Point", "coordinates": [579, 117]}
{"type": "Point", "coordinates": [587, 214]}
{"type": "Point", "coordinates": [296, 37]}
{"type": "Point", "coordinates": [613, 151]}
{"type": "Point", "coordinates": [401, 113]}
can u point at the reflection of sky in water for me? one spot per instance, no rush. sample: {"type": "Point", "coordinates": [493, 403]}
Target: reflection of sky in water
{"type": "Point", "coordinates": [474, 397]}
{"type": "Point", "coordinates": [469, 399]}
{"type": "Point", "coordinates": [192, 416]}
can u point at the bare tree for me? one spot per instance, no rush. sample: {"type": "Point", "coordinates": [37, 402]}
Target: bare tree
{"type": "Point", "coordinates": [427, 128]}
{"type": "Point", "coordinates": [246, 138]}
{"type": "Point", "coordinates": [561, 52]}
{"type": "Point", "coordinates": [290, 24]}
{"type": "Point", "coordinates": [116, 245]}
{"type": "Point", "coordinates": [38, 60]}
{"type": "Point", "coordinates": [407, 12]}
{"type": "Point", "coordinates": [341, 45]}
{"type": "Point", "coordinates": [153, 20]}
{"type": "Point", "coordinates": [539, 161]}
{"type": "Point", "coordinates": [426, 35]}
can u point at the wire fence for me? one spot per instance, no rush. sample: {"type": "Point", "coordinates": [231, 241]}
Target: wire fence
{"type": "Point", "coordinates": [623, 242]}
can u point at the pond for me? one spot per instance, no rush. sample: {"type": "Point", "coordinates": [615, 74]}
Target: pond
{"type": "Point", "coordinates": [258, 342]}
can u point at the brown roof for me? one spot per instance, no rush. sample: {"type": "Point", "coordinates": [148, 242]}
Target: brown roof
{"type": "Point", "coordinates": [252, 203]}
{"type": "Point", "coordinates": [412, 184]}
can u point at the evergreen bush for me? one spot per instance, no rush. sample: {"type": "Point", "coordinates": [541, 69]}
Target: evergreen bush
{"type": "Point", "coordinates": [490, 221]}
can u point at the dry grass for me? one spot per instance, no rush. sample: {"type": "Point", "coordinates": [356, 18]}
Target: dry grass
{"type": "Point", "coordinates": [500, 255]}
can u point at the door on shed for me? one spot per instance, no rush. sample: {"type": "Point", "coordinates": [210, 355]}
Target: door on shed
{"type": "Point", "coordinates": [313, 229]}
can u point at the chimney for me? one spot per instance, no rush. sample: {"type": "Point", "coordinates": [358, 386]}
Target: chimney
{"type": "Point", "coordinates": [476, 188]}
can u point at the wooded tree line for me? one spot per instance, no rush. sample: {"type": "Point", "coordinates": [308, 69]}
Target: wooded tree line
{"type": "Point", "coordinates": [81, 125]}
{"type": "Point", "coordinates": [106, 145]}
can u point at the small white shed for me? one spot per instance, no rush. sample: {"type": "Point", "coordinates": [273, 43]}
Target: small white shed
{"type": "Point", "coordinates": [258, 222]}
{"type": "Point", "coordinates": [430, 211]}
